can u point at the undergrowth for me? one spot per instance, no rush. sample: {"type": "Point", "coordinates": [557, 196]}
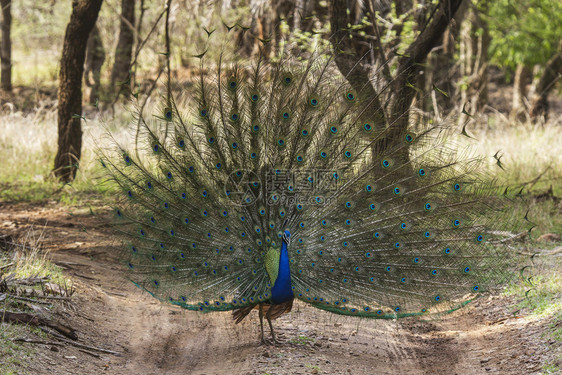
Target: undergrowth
{"type": "Point", "coordinates": [13, 356]}
{"type": "Point", "coordinates": [25, 275]}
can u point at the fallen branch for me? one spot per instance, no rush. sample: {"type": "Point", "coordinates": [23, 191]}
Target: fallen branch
{"type": "Point", "coordinates": [25, 318]}
{"type": "Point", "coordinates": [89, 353]}
{"type": "Point", "coordinates": [25, 299]}
{"type": "Point", "coordinates": [78, 345]}
{"type": "Point", "coordinates": [83, 346]}
{"type": "Point", "coordinates": [31, 341]}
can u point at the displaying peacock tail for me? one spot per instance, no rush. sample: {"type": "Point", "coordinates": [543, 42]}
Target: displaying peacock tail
{"type": "Point", "coordinates": [261, 183]}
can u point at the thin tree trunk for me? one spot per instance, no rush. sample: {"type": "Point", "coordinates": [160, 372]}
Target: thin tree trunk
{"type": "Point", "coordinates": [138, 43]}
{"type": "Point", "coordinates": [552, 73]}
{"type": "Point", "coordinates": [82, 20]}
{"type": "Point", "coordinates": [522, 77]}
{"type": "Point", "coordinates": [120, 76]}
{"type": "Point", "coordinates": [6, 48]}
{"type": "Point", "coordinates": [475, 40]}
{"type": "Point", "coordinates": [481, 41]}
{"type": "Point", "coordinates": [95, 56]}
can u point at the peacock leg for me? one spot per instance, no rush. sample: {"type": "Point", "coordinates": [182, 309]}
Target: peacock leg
{"type": "Point", "coordinates": [271, 328]}
{"type": "Point", "coordinates": [261, 323]}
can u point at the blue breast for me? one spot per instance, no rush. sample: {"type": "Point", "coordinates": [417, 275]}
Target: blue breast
{"type": "Point", "coordinates": [282, 290]}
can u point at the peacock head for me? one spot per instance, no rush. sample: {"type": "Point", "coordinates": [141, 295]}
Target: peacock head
{"type": "Point", "coordinates": [287, 237]}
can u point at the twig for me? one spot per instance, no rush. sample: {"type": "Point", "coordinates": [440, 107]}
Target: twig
{"type": "Point", "coordinates": [24, 299]}
{"type": "Point", "coordinates": [30, 341]}
{"type": "Point", "coordinates": [89, 353]}
{"type": "Point", "coordinates": [167, 37]}
{"type": "Point", "coordinates": [43, 297]}
{"type": "Point", "coordinates": [137, 52]}
{"type": "Point", "coordinates": [83, 346]}
{"type": "Point", "coordinates": [6, 266]}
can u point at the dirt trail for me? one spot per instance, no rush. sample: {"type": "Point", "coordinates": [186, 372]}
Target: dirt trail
{"type": "Point", "coordinates": [108, 312]}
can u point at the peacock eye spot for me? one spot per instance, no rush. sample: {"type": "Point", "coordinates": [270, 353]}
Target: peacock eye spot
{"type": "Point", "coordinates": [255, 97]}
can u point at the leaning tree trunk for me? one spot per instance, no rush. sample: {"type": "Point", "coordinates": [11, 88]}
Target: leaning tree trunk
{"type": "Point", "coordinates": [394, 118]}
{"type": "Point", "coordinates": [552, 72]}
{"type": "Point", "coordinates": [82, 20]}
{"type": "Point", "coordinates": [6, 48]}
{"type": "Point", "coordinates": [120, 76]}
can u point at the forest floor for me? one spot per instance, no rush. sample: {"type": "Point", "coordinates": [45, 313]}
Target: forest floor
{"type": "Point", "coordinates": [108, 312]}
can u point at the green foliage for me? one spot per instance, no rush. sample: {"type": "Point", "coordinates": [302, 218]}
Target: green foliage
{"type": "Point", "coordinates": [524, 32]}
{"type": "Point", "coordinates": [542, 293]}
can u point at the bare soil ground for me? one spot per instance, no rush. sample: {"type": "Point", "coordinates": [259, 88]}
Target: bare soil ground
{"type": "Point", "coordinates": [108, 312]}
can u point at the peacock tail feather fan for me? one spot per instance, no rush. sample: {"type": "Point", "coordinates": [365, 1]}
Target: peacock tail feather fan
{"type": "Point", "coordinates": [266, 183]}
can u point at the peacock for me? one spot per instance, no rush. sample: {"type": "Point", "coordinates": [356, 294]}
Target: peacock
{"type": "Point", "coordinates": [267, 180]}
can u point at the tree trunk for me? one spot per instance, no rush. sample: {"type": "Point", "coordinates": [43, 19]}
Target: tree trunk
{"type": "Point", "coordinates": [552, 72]}
{"type": "Point", "coordinates": [475, 40]}
{"type": "Point", "coordinates": [120, 76]}
{"type": "Point", "coordinates": [82, 20]}
{"type": "Point", "coordinates": [520, 81]}
{"type": "Point", "coordinates": [95, 56]}
{"type": "Point", "coordinates": [6, 48]}
{"type": "Point", "coordinates": [408, 67]}
{"type": "Point", "coordinates": [391, 119]}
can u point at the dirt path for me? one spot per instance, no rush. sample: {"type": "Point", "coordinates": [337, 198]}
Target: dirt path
{"type": "Point", "coordinates": [108, 312]}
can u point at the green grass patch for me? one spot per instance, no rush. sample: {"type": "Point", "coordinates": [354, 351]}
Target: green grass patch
{"type": "Point", "coordinates": [28, 260]}
{"type": "Point", "coordinates": [302, 340]}
{"type": "Point", "coordinates": [542, 293]}
{"type": "Point", "coordinates": [25, 263]}
{"type": "Point", "coordinates": [13, 356]}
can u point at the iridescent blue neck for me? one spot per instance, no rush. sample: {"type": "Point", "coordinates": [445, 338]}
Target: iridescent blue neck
{"type": "Point", "coordinates": [282, 290]}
